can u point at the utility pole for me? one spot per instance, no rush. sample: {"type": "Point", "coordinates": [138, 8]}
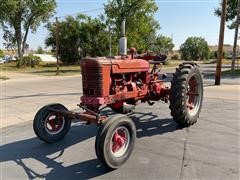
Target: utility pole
{"type": "Point", "coordinates": [57, 45]}
{"type": "Point", "coordinates": [220, 44]}
{"type": "Point", "coordinates": [236, 37]}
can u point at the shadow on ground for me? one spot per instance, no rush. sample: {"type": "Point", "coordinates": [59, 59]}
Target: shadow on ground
{"type": "Point", "coordinates": [147, 124]}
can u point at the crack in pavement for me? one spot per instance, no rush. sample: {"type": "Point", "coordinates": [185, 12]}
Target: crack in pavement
{"type": "Point", "coordinates": [184, 162]}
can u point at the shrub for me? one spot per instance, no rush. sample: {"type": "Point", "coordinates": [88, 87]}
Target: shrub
{"type": "Point", "coordinates": [214, 54]}
{"type": "Point", "coordinates": [29, 61]}
{"type": "Point", "coordinates": [1, 53]}
{"type": "Point", "coordinates": [175, 57]}
{"type": "Point", "coordinates": [194, 48]}
{"type": "Point", "coordinates": [166, 62]}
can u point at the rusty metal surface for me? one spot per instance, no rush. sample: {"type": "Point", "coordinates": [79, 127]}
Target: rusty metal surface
{"type": "Point", "coordinates": [90, 118]}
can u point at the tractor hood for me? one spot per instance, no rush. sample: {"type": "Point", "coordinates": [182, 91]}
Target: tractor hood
{"type": "Point", "coordinates": [117, 64]}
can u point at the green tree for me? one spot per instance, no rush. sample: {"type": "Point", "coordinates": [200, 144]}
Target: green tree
{"type": "Point", "coordinates": [94, 39]}
{"type": "Point", "coordinates": [1, 53]}
{"type": "Point", "coordinates": [79, 37]}
{"type": "Point", "coordinates": [40, 50]}
{"type": "Point", "coordinates": [69, 32]}
{"type": "Point", "coordinates": [164, 44]}
{"type": "Point", "coordinates": [194, 48]}
{"type": "Point", "coordinates": [232, 16]}
{"type": "Point", "coordinates": [231, 12]}
{"type": "Point", "coordinates": [17, 17]}
{"type": "Point", "coordinates": [141, 26]}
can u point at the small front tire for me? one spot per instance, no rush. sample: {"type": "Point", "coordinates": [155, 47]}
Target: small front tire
{"type": "Point", "coordinates": [50, 126]}
{"type": "Point", "coordinates": [115, 141]}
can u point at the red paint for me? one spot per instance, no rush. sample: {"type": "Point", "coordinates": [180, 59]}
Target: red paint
{"type": "Point", "coordinates": [119, 140]}
{"type": "Point", "coordinates": [114, 81]}
{"type": "Point", "coordinates": [192, 93]}
{"type": "Point", "coordinates": [55, 123]}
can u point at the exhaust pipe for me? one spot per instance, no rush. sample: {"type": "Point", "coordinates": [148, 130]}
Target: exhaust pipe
{"type": "Point", "coordinates": [123, 40]}
{"type": "Point", "coordinates": [123, 28]}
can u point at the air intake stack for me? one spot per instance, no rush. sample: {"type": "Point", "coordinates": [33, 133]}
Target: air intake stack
{"type": "Point", "coordinates": [123, 40]}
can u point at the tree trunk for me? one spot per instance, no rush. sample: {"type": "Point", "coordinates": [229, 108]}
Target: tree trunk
{"type": "Point", "coordinates": [18, 35]}
{"type": "Point", "coordinates": [19, 42]}
{"type": "Point", "coordinates": [26, 34]}
{"type": "Point", "coordinates": [24, 41]}
{"type": "Point", "coordinates": [234, 48]}
{"type": "Point", "coordinates": [235, 38]}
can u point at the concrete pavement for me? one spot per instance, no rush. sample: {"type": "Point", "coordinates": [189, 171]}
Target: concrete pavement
{"type": "Point", "coordinates": [225, 91]}
{"type": "Point", "coordinates": [20, 99]}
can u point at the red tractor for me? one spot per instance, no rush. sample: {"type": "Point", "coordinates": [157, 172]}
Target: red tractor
{"type": "Point", "coordinates": [120, 83]}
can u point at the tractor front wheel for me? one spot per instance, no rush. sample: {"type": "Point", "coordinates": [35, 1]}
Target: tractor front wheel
{"type": "Point", "coordinates": [115, 141]}
{"type": "Point", "coordinates": [50, 126]}
{"type": "Point", "coordinates": [186, 94]}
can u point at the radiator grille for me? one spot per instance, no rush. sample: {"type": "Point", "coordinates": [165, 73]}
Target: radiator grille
{"type": "Point", "coordinates": [92, 78]}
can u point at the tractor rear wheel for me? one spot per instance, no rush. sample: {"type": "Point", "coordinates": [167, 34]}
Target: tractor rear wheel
{"type": "Point", "coordinates": [186, 94]}
{"type": "Point", "coordinates": [115, 141]}
{"type": "Point", "coordinates": [50, 126]}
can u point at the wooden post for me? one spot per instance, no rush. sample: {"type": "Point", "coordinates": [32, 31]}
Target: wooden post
{"type": "Point", "coordinates": [220, 44]}
{"type": "Point", "coordinates": [57, 45]}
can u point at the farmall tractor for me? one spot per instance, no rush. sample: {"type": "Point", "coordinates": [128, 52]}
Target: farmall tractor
{"type": "Point", "coordinates": [120, 83]}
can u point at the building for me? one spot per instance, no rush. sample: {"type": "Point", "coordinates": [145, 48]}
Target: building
{"type": "Point", "coordinates": [46, 57]}
{"type": "Point", "coordinates": [227, 48]}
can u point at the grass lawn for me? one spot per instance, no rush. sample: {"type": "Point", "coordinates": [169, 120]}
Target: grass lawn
{"type": "Point", "coordinates": [45, 69]}
{"type": "Point", "coordinates": [50, 69]}
{"type": "Point", "coordinates": [224, 61]}
{"type": "Point", "coordinates": [235, 73]}
{"type": "Point", "coordinates": [173, 63]}
{"type": "Point", "coordinates": [4, 78]}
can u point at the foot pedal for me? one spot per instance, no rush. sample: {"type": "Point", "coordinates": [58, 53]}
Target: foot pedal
{"type": "Point", "coordinates": [164, 76]}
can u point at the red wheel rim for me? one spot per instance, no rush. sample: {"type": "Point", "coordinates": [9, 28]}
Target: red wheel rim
{"type": "Point", "coordinates": [193, 95]}
{"type": "Point", "coordinates": [120, 141]}
{"type": "Point", "coordinates": [54, 123]}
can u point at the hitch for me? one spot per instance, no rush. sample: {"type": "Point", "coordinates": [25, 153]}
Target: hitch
{"type": "Point", "coordinates": [89, 116]}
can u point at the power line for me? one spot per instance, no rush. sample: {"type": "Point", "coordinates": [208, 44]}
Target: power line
{"type": "Point", "coordinates": [87, 11]}
{"type": "Point", "coordinates": [74, 14]}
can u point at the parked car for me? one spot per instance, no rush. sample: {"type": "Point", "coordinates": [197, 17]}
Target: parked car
{"type": "Point", "coordinates": [2, 61]}
{"type": "Point", "coordinates": [8, 58]}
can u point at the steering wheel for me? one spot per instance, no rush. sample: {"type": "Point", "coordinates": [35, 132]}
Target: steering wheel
{"type": "Point", "coordinates": [157, 52]}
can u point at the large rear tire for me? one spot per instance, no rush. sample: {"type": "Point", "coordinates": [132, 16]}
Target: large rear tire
{"type": "Point", "coordinates": [50, 126]}
{"type": "Point", "coordinates": [186, 94]}
{"type": "Point", "coordinates": [115, 141]}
